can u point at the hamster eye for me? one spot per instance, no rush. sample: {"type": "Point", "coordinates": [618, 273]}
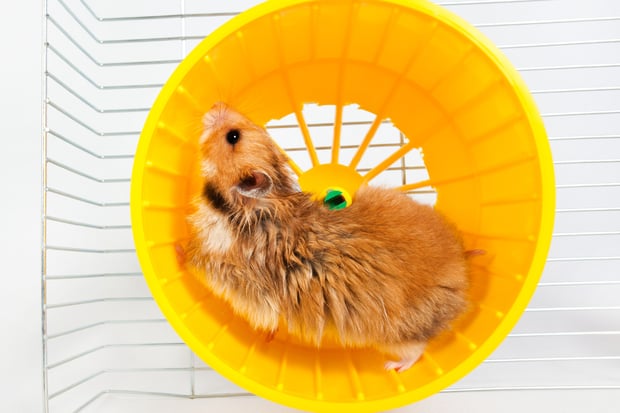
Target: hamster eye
{"type": "Point", "coordinates": [233, 136]}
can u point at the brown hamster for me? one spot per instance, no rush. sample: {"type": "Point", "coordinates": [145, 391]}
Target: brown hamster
{"type": "Point", "coordinates": [384, 272]}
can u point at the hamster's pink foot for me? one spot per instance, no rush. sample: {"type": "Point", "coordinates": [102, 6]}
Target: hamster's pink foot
{"type": "Point", "coordinates": [399, 366]}
{"type": "Point", "coordinates": [409, 352]}
{"type": "Point", "coordinates": [180, 254]}
{"type": "Point", "coordinates": [474, 253]}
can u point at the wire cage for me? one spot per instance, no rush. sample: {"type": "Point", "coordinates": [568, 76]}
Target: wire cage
{"type": "Point", "coordinates": [106, 345]}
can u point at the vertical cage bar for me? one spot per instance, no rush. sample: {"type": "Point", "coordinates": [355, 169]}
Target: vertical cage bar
{"type": "Point", "coordinates": [183, 31]}
{"type": "Point", "coordinates": [44, 131]}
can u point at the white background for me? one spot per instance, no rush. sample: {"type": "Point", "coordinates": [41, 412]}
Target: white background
{"type": "Point", "coordinates": [20, 207]}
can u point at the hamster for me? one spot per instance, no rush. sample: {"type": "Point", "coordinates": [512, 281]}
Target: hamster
{"type": "Point", "coordinates": [385, 272]}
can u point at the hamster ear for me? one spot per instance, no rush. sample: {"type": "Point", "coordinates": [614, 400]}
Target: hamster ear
{"type": "Point", "coordinates": [256, 185]}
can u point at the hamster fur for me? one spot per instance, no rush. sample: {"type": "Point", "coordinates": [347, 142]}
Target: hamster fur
{"type": "Point", "coordinates": [385, 272]}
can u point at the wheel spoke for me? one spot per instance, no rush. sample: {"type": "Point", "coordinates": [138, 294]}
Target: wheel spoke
{"type": "Point", "coordinates": [307, 138]}
{"type": "Point", "coordinates": [382, 166]}
{"type": "Point", "coordinates": [337, 134]}
{"type": "Point", "coordinates": [364, 145]}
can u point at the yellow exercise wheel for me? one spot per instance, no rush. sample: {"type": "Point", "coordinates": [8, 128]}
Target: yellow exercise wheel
{"type": "Point", "coordinates": [454, 97]}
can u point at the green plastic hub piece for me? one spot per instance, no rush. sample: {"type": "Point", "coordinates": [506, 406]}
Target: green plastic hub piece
{"type": "Point", "coordinates": [334, 200]}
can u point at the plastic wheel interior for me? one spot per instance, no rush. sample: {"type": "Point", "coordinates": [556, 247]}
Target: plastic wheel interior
{"type": "Point", "coordinates": [447, 89]}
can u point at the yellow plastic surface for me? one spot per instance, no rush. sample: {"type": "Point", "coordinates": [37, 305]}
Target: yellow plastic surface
{"type": "Point", "coordinates": [447, 88]}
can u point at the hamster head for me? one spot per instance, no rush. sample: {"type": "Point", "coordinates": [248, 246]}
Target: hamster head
{"type": "Point", "coordinates": [241, 165]}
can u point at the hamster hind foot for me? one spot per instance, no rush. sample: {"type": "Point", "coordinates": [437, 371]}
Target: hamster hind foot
{"type": "Point", "coordinates": [180, 254]}
{"type": "Point", "coordinates": [409, 353]}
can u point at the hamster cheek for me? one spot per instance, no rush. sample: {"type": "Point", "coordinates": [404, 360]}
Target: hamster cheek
{"type": "Point", "coordinates": [220, 238]}
{"type": "Point", "coordinates": [214, 231]}
{"type": "Point", "coordinates": [208, 168]}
